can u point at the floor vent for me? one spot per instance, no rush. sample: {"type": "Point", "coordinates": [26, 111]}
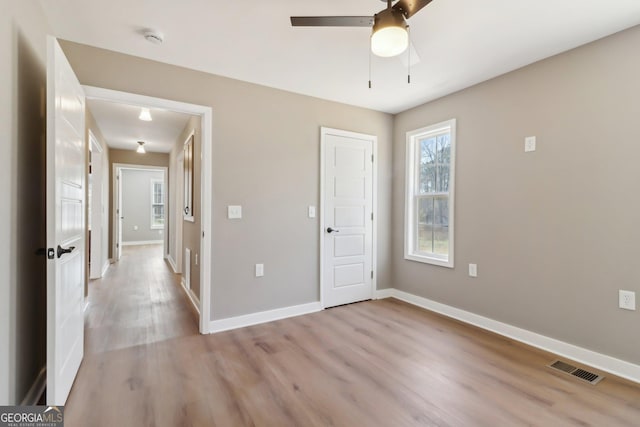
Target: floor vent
{"type": "Point", "coordinates": [581, 374]}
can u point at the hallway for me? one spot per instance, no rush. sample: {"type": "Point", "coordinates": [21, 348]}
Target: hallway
{"type": "Point", "coordinates": [138, 302]}
{"type": "Point", "coordinates": [136, 314]}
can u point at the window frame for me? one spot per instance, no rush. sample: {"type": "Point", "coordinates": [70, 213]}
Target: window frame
{"type": "Point", "coordinates": [411, 194]}
{"type": "Point", "coordinates": [152, 203]}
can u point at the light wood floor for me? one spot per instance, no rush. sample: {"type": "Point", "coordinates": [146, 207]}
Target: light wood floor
{"type": "Point", "coordinates": [378, 363]}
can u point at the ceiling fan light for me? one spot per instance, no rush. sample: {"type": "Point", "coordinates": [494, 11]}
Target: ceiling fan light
{"type": "Point", "coordinates": [141, 149]}
{"type": "Point", "coordinates": [390, 36]}
{"type": "Point", "coordinates": [145, 115]}
{"type": "Point", "coordinates": [390, 41]}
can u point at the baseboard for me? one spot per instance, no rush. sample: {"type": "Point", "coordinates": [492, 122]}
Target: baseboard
{"type": "Point", "coordinates": [600, 361]}
{"type": "Point", "coordinates": [142, 242]}
{"type": "Point", "coordinates": [172, 263]}
{"type": "Point", "coordinates": [195, 301]}
{"type": "Point", "coordinates": [105, 267]}
{"type": "Point", "coordinates": [384, 293]}
{"type": "Point", "coordinates": [263, 317]}
{"type": "Point", "coordinates": [37, 388]}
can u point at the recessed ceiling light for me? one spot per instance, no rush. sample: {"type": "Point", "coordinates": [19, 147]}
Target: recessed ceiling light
{"type": "Point", "coordinates": [154, 37]}
{"type": "Point", "coordinates": [145, 115]}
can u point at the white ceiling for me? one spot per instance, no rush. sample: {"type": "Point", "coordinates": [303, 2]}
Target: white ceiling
{"type": "Point", "coordinates": [122, 129]}
{"type": "Point", "coordinates": [460, 42]}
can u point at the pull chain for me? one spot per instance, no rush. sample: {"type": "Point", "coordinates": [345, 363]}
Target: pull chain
{"type": "Point", "coordinates": [369, 64]}
{"type": "Point", "coordinates": [409, 56]}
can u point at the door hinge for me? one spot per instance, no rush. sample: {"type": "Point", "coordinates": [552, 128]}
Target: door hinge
{"type": "Point", "coordinates": [371, 216]}
{"type": "Point", "coordinates": [372, 158]}
{"type": "Point", "coordinates": [117, 245]}
{"type": "Point", "coordinates": [203, 234]}
{"type": "Point", "coordinates": [372, 274]}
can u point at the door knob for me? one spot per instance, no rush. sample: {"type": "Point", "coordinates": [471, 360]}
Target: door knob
{"type": "Point", "coordinates": [62, 251]}
{"type": "Point", "coordinates": [331, 230]}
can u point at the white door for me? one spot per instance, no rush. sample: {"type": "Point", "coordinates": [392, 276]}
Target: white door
{"type": "Point", "coordinates": [97, 210]}
{"type": "Point", "coordinates": [65, 224]}
{"type": "Point", "coordinates": [119, 214]}
{"type": "Point", "coordinates": [347, 222]}
{"type": "Point", "coordinates": [179, 210]}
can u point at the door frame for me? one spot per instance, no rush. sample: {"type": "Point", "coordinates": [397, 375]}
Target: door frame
{"type": "Point", "coordinates": [324, 131]}
{"type": "Point", "coordinates": [206, 176]}
{"type": "Point", "coordinates": [117, 194]}
{"type": "Point", "coordinates": [97, 241]}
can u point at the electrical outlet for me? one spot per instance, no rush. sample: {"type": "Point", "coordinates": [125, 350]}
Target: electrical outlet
{"type": "Point", "coordinates": [627, 300]}
{"type": "Point", "coordinates": [473, 270]}
{"type": "Point", "coordinates": [196, 259]}
{"type": "Point", "coordinates": [259, 270]}
{"type": "Point", "coordinates": [530, 144]}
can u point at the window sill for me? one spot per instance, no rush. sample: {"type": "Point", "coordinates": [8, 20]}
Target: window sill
{"type": "Point", "coordinates": [429, 260]}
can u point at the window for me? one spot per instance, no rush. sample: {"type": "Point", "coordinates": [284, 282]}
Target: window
{"type": "Point", "coordinates": [157, 204]}
{"type": "Point", "coordinates": [429, 194]}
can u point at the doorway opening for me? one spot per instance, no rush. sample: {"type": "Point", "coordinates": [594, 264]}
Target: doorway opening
{"type": "Point", "coordinates": [140, 194]}
{"type": "Point", "coordinates": [169, 225]}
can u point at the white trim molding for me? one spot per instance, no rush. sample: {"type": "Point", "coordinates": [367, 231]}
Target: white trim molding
{"type": "Point", "coordinates": [143, 242]}
{"type": "Point", "coordinates": [105, 267]}
{"type": "Point", "coordinates": [582, 355]}
{"type": "Point", "coordinates": [192, 296]}
{"type": "Point", "coordinates": [263, 317]}
{"type": "Point", "coordinates": [172, 263]}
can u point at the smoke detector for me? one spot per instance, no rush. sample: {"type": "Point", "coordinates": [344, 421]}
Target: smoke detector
{"type": "Point", "coordinates": [154, 37]}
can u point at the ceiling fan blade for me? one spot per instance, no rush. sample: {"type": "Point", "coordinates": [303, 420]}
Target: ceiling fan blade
{"type": "Point", "coordinates": [332, 21]}
{"type": "Point", "coordinates": [410, 7]}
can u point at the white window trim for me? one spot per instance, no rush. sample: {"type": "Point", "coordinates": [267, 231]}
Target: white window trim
{"type": "Point", "coordinates": [410, 185]}
{"type": "Point", "coordinates": [152, 204]}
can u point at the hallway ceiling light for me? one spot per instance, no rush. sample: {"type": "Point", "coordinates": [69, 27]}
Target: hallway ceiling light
{"type": "Point", "coordinates": [145, 115]}
{"type": "Point", "coordinates": [141, 147]}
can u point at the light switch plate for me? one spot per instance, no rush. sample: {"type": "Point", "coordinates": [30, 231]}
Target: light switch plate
{"type": "Point", "coordinates": [259, 270]}
{"type": "Point", "coordinates": [473, 270]}
{"type": "Point", "coordinates": [234, 212]}
{"type": "Point", "coordinates": [312, 211]}
{"type": "Point", "coordinates": [530, 144]}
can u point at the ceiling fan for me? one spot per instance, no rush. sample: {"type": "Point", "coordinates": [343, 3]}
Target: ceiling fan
{"type": "Point", "coordinates": [389, 36]}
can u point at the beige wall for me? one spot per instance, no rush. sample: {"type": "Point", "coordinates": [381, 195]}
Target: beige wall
{"type": "Point", "coordinates": [555, 232]}
{"type": "Point", "coordinates": [23, 29]}
{"type": "Point", "coordinates": [129, 157]}
{"type": "Point", "coordinates": [190, 230]}
{"type": "Point", "coordinates": [265, 158]}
